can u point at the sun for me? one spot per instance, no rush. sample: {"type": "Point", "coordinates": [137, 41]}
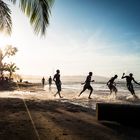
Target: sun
{"type": "Point", "coordinates": [5, 40]}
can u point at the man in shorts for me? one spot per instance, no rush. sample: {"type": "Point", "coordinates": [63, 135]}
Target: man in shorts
{"type": "Point", "coordinates": [43, 81]}
{"type": "Point", "coordinates": [129, 79]}
{"type": "Point", "coordinates": [57, 81]}
{"type": "Point", "coordinates": [112, 85]}
{"type": "Point", "coordinates": [87, 85]}
{"type": "Point", "coordinates": [50, 82]}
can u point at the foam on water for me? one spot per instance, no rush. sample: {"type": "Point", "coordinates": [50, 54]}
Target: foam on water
{"type": "Point", "coordinates": [71, 92]}
{"type": "Point", "coordinates": [101, 94]}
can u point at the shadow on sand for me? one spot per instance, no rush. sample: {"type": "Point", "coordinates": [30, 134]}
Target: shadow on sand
{"type": "Point", "coordinates": [55, 119]}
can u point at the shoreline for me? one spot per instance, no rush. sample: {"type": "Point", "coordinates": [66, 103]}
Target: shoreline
{"type": "Point", "coordinates": [54, 118]}
{"type": "Point", "coordinates": [37, 91]}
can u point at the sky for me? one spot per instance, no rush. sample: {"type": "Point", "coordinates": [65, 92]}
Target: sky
{"type": "Point", "coordinates": [102, 36]}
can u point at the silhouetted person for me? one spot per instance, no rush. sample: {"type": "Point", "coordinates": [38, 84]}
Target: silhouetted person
{"type": "Point", "coordinates": [57, 81]}
{"type": "Point", "coordinates": [87, 85]}
{"type": "Point", "coordinates": [129, 84]}
{"type": "Point", "coordinates": [50, 82]}
{"type": "Point", "coordinates": [20, 80]}
{"type": "Point", "coordinates": [43, 81]}
{"type": "Point", "coordinates": [112, 85]}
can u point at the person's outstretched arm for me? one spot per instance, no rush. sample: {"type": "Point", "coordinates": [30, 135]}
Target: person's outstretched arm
{"type": "Point", "coordinates": [82, 83]}
{"type": "Point", "coordinates": [136, 81]}
{"type": "Point", "coordinates": [123, 76]}
{"type": "Point", "coordinates": [108, 82]}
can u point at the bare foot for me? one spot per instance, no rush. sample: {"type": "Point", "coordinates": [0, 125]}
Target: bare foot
{"type": "Point", "coordinates": [79, 95]}
{"type": "Point", "coordinates": [136, 97]}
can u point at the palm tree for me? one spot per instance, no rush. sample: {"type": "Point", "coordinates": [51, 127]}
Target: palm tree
{"type": "Point", "coordinates": [11, 68]}
{"type": "Point", "coordinates": [8, 51]}
{"type": "Point", "coordinates": [38, 12]}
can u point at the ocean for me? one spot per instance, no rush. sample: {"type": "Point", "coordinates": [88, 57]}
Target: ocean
{"type": "Point", "coordinates": [71, 87]}
{"type": "Point", "coordinates": [101, 93]}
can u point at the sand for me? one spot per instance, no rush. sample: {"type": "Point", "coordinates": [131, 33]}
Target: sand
{"type": "Point", "coordinates": [30, 115]}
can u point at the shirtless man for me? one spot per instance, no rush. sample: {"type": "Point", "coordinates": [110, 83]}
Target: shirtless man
{"type": "Point", "coordinates": [112, 85]}
{"type": "Point", "coordinates": [129, 79]}
{"type": "Point", "coordinates": [87, 85]}
{"type": "Point", "coordinates": [50, 82]}
{"type": "Point", "coordinates": [43, 81]}
{"type": "Point", "coordinates": [57, 81]}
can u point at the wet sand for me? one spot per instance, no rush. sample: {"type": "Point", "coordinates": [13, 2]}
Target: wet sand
{"type": "Point", "coordinates": [32, 117]}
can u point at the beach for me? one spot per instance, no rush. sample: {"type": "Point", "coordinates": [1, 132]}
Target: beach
{"type": "Point", "coordinates": [32, 112]}
{"type": "Point", "coordinates": [86, 50]}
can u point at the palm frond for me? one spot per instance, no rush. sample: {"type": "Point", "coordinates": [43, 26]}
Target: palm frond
{"type": "Point", "coordinates": [5, 18]}
{"type": "Point", "coordinates": [38, 12]}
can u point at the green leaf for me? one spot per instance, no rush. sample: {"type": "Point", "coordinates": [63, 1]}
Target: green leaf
{"type": "Point", "coordinates": [5, 18]}
{"type": "Point", "coordinates": [38, 12]}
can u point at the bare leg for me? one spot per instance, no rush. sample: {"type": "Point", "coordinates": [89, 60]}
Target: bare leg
{"type": "Point", "coordinates": [49, 87]}
{"type": "Point", "coordinates": [131, 89]}
{"type": "Point", "coordinates": [60, 95]}
{"type": "Point", "coordinates": [81, 92]}
{"type": "Point", "coordinates": [110, 88]}
{"type": "Point", "coordinates": [115, 93]}
{"type": "Point", "coordinates": [133, 93]}
{"type": "Point", "coordinates": [55, 93]}
{"type": "Point", "coordinates": [110, 91]}
{"type": "Point", "coordinates": [115, 89]}
{"type": "Point", "coordinates": [90, 93]}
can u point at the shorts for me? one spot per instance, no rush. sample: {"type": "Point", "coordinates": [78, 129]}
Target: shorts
{"type": "Point", "coordinates": [112, 87]}
{"type": "Point", "coordinates": [58, 85]}
{"type": "Point", "coordinates": [89, 87]}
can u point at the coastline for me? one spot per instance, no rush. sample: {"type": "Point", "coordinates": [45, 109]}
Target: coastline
{"type": "Point", "coordinates": [55, 118]}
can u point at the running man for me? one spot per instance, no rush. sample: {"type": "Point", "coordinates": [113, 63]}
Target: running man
{"type": "Point", "coordinates": [87, 85]}
{"type": "Point", "coordinates": [129, 84]}
{"type": "Point", "coordinates": [43, 81]}
{"type": "Point", "coordinates": [50, 82]}
{"type": "Point", "coordinates": [57, 81]}
{"type": "Point", "coordinates": [112, 85]}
